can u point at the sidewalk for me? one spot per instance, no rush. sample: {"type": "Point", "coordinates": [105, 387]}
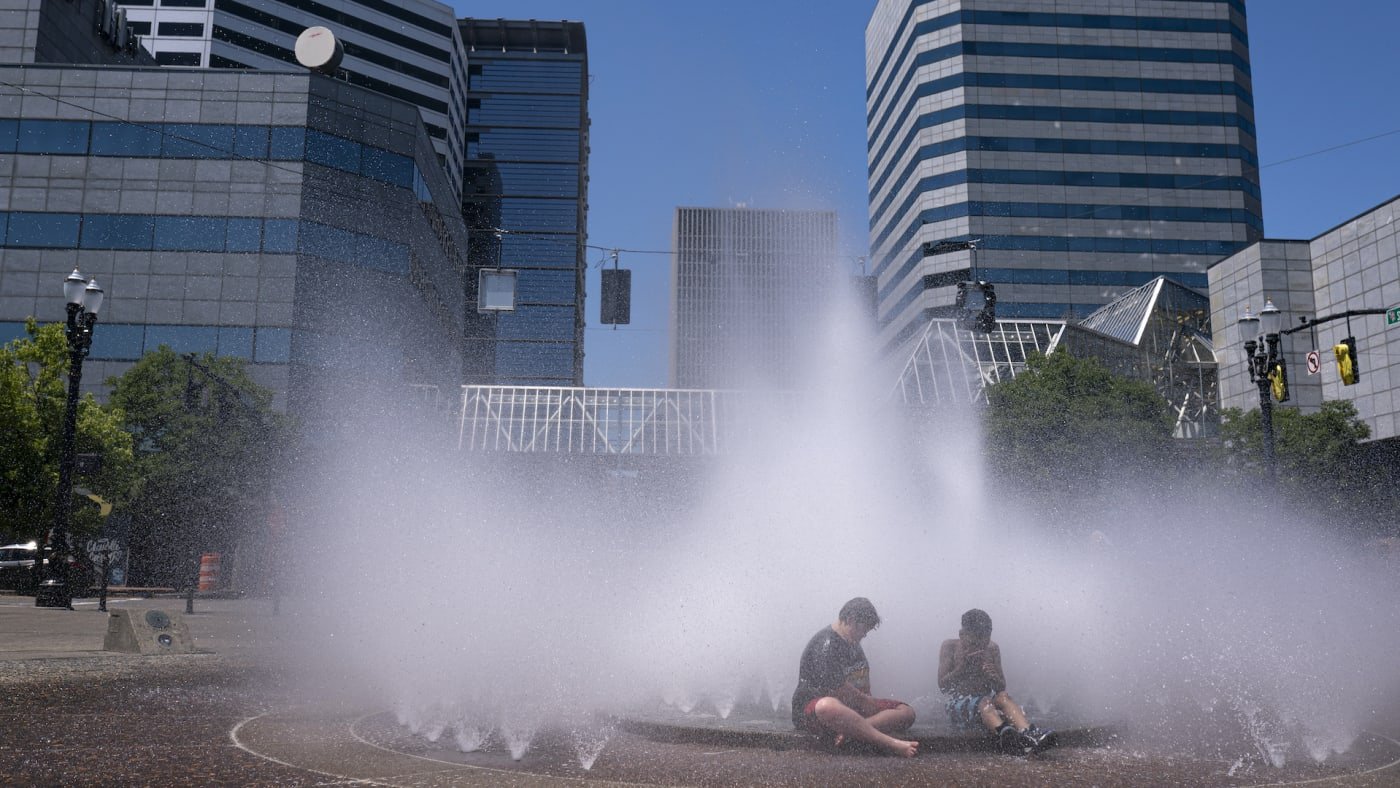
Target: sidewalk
{"type": "Point", "coordinates": [230, 627]}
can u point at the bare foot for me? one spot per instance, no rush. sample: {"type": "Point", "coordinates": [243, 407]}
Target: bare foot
{"type": "Point", "coordinates": [902, 748]}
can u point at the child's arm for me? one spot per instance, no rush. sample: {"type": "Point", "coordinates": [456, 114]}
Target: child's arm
{"type": "Point", "coordinates": [991, 666]}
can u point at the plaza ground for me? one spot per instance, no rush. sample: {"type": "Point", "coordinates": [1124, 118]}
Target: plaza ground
{"type": "Point", "coordinates": [76, 715]}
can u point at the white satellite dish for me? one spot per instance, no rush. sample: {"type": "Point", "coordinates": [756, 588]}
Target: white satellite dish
{"type": "Point", "coordinates": [318, 49]}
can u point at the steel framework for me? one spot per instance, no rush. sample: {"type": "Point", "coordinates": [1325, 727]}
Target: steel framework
{"type": "Point", "coordinates": [950, 364]}
{"type": "Point", "coordinates": [562, 420]}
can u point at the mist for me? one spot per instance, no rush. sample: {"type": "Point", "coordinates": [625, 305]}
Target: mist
{"type": "Point", "coordinates": [483, 595]}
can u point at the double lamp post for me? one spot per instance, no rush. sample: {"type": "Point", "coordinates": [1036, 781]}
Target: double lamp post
{"type": "Point", "coordinates": [1261, 347]}
{"type": "Point", "coordinates": [84, 299]}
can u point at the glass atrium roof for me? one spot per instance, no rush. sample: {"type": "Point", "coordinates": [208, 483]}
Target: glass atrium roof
{"type": "Point", "coordinates": [1158, 332]}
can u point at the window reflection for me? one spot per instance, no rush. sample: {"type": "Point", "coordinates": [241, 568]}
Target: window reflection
{"type": "Point", "coordinates": [52, 136]}
{"type": "Point", "coordinates": [274, 346]}
{"type": "Point", "coordinates": [237, 342]}
{"type": "Point", "coordinates": [183, 339]}
{"type": "Point", "coordinates": [43, 230]}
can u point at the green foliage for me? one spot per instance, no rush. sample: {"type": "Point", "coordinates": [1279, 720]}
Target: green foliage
{"type": "Point", "coordinates": [1069, 424]}
{"type": "Point", "coordinates": [33, 394]}
{"type": "Point", "coordinates": [1320, 460]}
{"type": "Point", "coordinates": [208, 443]}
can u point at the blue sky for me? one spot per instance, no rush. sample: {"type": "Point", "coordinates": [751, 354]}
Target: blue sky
{"type": "Point", "coordinates": [763, 102]}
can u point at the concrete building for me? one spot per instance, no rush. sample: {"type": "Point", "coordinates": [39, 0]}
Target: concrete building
{"type": "Point", "coordinates": [1353, 266]}
{"type": "Point", "coordinates": [66, 31]}
{"type": "Point", "coordinates": [748, 287]}
{"type": "Point", "coordinates": [407, 49]}
{"type": "Point", "coordinates": [525, 197]}
{"type": "Point", "coordinates": [291, 219]}
{"type": "Point", "coordinates": [1087, 150]}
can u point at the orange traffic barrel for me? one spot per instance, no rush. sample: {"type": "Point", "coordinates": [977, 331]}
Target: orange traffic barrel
{"type": "Point", "coordinates": [208, 571]}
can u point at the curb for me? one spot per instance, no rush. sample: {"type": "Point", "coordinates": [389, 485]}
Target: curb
{"type": "Point", "coordinates": [1087, 736]}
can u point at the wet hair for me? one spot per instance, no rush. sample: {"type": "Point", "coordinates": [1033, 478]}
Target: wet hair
{"type": "Point", "coordinates": [976, 620]}
{"type": "Point", "coordinates": [860, 611]}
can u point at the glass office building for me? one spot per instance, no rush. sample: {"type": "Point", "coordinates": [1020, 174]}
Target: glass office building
{"type": "Point", "coordinates": [293, 220]}
{"type": "Point", "coordinates": [407, 49]}
{"type": "Point", "coordinates": [749, 287]}
{"type": "Point", "coordinates": [1085, 152]}
{"type": "Point", "coordinates": [524, 197]}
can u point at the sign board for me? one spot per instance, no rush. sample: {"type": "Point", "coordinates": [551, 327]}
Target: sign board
{"type": "Point", "coordinates": [1392, 316]}
{"type": "Point", "coordinates": [1314, 362]}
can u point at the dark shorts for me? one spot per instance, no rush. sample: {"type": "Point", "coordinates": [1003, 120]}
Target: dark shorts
{"type": "Point", "coordinates": [811, 724]}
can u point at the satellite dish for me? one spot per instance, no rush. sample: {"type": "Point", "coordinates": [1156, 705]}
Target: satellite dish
{"type": "Point", "coordinates": [318, 49]}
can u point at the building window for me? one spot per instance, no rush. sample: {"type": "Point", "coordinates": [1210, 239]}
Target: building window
{"type": "Point", "coordinates": [274, 346]}
{"type": "Point", "coordinates": [185, 29]}
{"type": "Point", "coordinates": [178, 58]}
{"type": "Point", "coordinates": [52, 136]}
{"type": "Point", "coordinates": [45, 230]}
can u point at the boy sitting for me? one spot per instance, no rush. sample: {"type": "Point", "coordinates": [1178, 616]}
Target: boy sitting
{"type": "Point", "coordinates": [969, 673]}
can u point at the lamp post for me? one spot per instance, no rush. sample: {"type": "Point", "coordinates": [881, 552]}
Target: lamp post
{"type": "Point", "coordinates": [1261, 348]}
{"type": "Point", "coordinates": [976, 301]}
{"type": "Point", "coordinates": [84, 299]}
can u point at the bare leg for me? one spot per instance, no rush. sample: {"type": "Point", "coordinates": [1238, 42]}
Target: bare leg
{"type": "Point", "coordinates": [1013, 712]}
{"type": "Point", "coordinates": [991, 718]}
{"type": "Point", "coordinates": [846, 721]}
{"type": "Point", "coordinates": [892, 720]}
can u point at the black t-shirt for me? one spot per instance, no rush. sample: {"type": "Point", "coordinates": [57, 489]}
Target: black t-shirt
{"type": "Point", "coordinates": [827, 663]}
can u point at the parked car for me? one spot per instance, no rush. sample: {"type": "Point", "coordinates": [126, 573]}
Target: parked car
{"type": "Point", "coordinates": [17, 565]}
{"type": "Point", "coordinates": [17, 569]}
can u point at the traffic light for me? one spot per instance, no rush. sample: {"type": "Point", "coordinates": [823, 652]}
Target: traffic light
{"type": "Point", "coordinates": [1347, 367]}
{"type": "Point", "coordinates": [1278, 380]}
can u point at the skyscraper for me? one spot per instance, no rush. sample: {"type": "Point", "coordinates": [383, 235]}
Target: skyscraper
{"type": "Point", "coordinates": [406, 49]}
{"type": "Point", "coordinates": [1084, 152]}
{"type": "Point", "coordinates": [747, 286]}
{"type": "Point", "coordinates": [525, 197]}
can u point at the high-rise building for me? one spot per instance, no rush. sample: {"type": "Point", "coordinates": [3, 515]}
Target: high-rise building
{"type": "Point", "coordinates": [67, 31]}
{"type": "Point", "coordinates": [748, 287]}
{"type": "Point", "coordinates": [1084, 151]}
{"type": "Point", "coordinates": [407, 49]}
{"type": "Point", "coordinates": [524, 197]}
{"type": "Point", "coordinates": [288, 219]}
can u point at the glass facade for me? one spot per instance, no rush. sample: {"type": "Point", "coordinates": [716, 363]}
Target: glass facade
{"type": "Point", "coordinates": [406, 49]}
{"type": "Point", "coordinates": [1085, 153]}
{"type": "Point", "coordinates": [257, 241]}
{"type": "Point", "coordinates": [523, 196]}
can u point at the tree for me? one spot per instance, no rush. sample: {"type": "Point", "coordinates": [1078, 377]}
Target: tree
{"type": "Point", "coordinates": [33, 393]}
{"type": "Point", "coordinates": [208, 446]}
{"type": "Point", "coordinates": [1320, 459]}
{"type": "Point", "coordinates": [1067, 424]}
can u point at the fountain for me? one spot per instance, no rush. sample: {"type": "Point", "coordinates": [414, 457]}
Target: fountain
{"type": "Point", "coordinates": [1197, 622]}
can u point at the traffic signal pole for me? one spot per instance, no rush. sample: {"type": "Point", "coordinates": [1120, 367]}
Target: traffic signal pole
{"type": "Point", "coordinates": [1306, 323]}
{"type": "Point", "coordinates": [1347, 363]}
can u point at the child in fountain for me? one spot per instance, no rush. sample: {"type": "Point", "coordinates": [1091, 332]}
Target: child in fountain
{"type": "Point", "coordinates": [970, 674]}
{"type": "Point", "coordinates": [833, 697]}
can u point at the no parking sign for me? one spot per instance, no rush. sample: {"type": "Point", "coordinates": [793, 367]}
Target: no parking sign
{"type": "Point", "coordinates": [1314, 362]}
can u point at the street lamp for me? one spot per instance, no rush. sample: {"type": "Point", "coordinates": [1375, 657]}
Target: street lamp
{"type": "Point", "coordinates": [1261, 348]}
{"type": "Point", "coordinates": [976, 301]}
{"type": "Point", "coordinates": [84, 299]}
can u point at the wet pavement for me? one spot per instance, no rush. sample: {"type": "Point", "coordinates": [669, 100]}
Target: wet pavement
{"type": "Point", "coordinates": [71, 714]}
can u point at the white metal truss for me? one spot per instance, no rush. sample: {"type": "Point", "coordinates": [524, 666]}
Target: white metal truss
{"type": "Point", "coordinates": [561, 420]}
{"type": "Point", "coordinates": [953, 364]}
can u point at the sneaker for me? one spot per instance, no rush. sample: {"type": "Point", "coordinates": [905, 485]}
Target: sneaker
{"type": "Point", "coordinates": [1009, 741]}
{"type": "Point", "coordinates": [1040, 739]}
